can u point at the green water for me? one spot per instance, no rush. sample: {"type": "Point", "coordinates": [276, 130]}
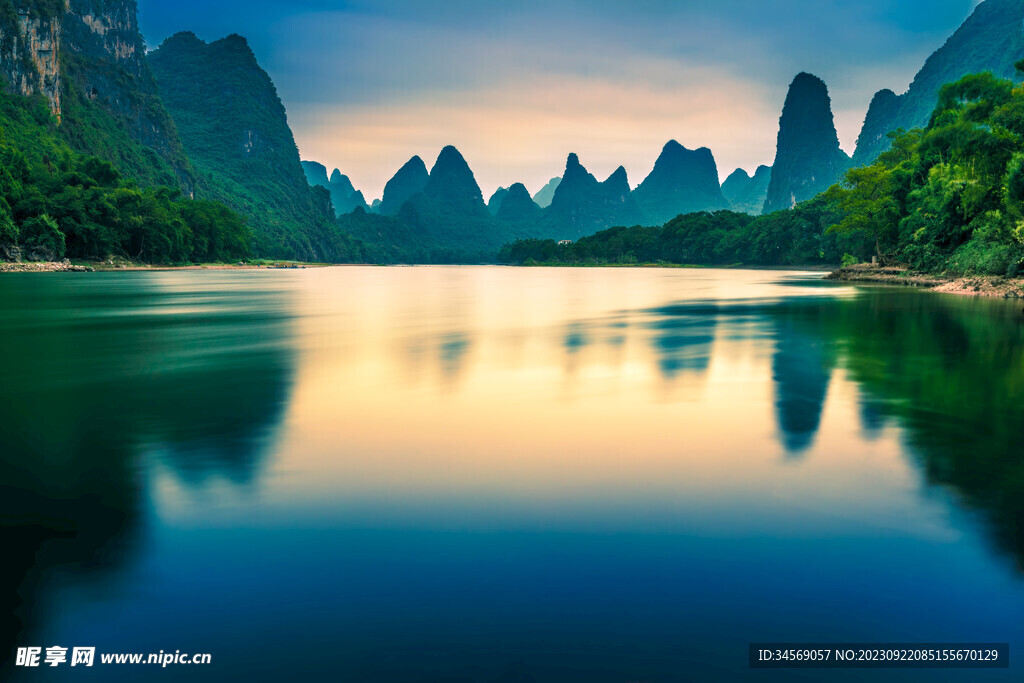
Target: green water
{"type": "Point", "coordinates": [497, 474]}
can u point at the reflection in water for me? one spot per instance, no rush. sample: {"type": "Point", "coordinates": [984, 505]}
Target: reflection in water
{"type": "Point", "coordinates": [453, 351]}
{"type": "Point", "coordinates": [684, 343]}
{"type": "Point", "coordinates": [801, 372]}
{"type": "Point", "coordinates": [108, 372]}
{"type": "Point", "coordinates": [872, 417]}
{"type": "Point", "coordinates": [950, 372]}
{"type": "Point", "coordinates": [477, 474]}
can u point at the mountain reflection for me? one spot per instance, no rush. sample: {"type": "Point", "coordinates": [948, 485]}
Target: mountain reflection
{"type": "Point", "coordinates": [950, 373]}
{"type": "Point", "coordinates": [683, 343]}
{"type": "Point", "coordinates": [106, 376]}
{"type": "Point", "coordinates": [801, 372]}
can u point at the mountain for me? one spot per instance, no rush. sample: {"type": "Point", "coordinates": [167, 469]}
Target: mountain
{"type": "Point", "coordinates": [235, 130]}
{"type": "Point", "coordinates": [547, 193]}
{"type": "Point", "coordinates": [990, 40]}
{"type": "Point", "coordinates": [449, 213]}
{"type": "Point", "coordinates": [582, 205]}
{"type": "Point", "coordinates": [87, 58]}
{"type": "Point", "coordinates": [518, 207]}
{"type": "Point", "coordinates": [746, 194]}
{"type": "Point", "coordinates": [344, 197]}
{"type": "Point", "coordinates": [807, 156]}
{"type": "Point", "coordinates": [494, 203]}
{"type": "Point", "coordinates": [683, 181]}
{"type": "Point", "coordinates": [409, 180]}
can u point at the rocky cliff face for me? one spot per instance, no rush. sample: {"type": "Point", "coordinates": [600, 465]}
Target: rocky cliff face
{"type": "Point", "coordinates": [30, 39]}
{"type": "Point", "coordinates": [88, 59]}
{"type": "Point", "coordinates": [107, 77]}
{"type": "Point", "coordinates": [807, 158]}
{"type": "Point", "coordinates": [992, 39]}
{"type": "Point", "coordinates": [683, 181]}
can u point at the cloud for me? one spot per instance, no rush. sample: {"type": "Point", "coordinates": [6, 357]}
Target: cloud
{"type": "Point", "coordinates": [518, 85]}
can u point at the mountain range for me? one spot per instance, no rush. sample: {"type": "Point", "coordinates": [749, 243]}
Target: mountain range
{"type": "Point", "coordinates": [207, 119]}
{"type": "Point", "coordinates": [344, 197]}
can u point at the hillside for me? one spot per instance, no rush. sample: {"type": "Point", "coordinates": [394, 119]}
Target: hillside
{"type": "Point", "coordinates": [990, 40]}
{"type": "Point", "coordinates": [235, 130]}
{"type": "Point", "coordinates": [683, 181]}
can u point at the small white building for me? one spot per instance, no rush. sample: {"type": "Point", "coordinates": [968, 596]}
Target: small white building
{"type": "Point", "coordinates": [562, 243]}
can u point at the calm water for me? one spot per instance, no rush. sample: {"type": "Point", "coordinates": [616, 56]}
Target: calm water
{"type": "Point", "coordinates": [493, 474]}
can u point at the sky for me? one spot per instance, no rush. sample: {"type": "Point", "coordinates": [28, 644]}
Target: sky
{"type": "Point", "coordinates": [516, 85]}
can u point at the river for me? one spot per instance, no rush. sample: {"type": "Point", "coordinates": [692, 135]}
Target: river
{"type": "Point", "coordinates": [499, 474]}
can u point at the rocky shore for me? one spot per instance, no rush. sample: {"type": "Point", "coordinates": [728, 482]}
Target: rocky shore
{"type": "Point", "coordinates": [64, 266]}
{"type": "Point", "coordinates": [972, 285]}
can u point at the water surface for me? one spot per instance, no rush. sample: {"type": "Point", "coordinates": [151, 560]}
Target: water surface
{"type": "Point", "coordinates": [497, 474]}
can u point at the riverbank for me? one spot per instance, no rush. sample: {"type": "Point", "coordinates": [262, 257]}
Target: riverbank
{"type": "Point", "coordinates": [972, 285]}
{"type": "Point", "coordinates": [67, 266]}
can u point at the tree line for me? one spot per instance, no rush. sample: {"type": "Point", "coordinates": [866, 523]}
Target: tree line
{"type": "Point", "coordinates": [56, 203]}
{"type": "Point", "coordinates": [945, 198]}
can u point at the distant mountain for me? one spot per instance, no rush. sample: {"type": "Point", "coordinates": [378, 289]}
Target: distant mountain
{"type": "Point", "coordinates": [518, 207]}
{"type": "Point", "coordinates": [235, 130]}
{"type": "Point", "coordinates": [494, 203]}
{"type": "Point", "coordinates": [582, 205]}
{"type": "Point", "coordinates": [547, 193]}
{"type": "Point", "coordinates": [683, 181]}
{"type": "Point", "coordinates": [409, 180]}
{"type": "Point", "coordinates": [807, 158]}
{"type": "Point", "coordinates": [746, 194]}
{"type": "Point", "coordinates": [990, 40]}
{"type": "Point", "coordinates": [344, 197]}
{"type": "Point", "coordinates": [450, 212]}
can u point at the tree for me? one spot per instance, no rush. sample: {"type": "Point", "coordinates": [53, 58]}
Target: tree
{"type": "Point", "coordinates": [866, 200]}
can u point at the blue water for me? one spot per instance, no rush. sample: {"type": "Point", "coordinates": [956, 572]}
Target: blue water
{"type": "Point", "coordinates": [497, 474]}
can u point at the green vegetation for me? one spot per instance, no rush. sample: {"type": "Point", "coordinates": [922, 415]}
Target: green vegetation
{"type": "Point", "coordinates": [795, 237]}
{"type": "Point", "coordinates": [90, 128]}
{"type": "Point", "coordinates": [235, 131]}
{"type": "Point", "coordinates": [990, 40]}
{"type": "Point", "coordinates": [916, 358]}
{"type": "Point", "coordinates": [55, 202]}
{"type": "Point", "coordinates": [948, 198]}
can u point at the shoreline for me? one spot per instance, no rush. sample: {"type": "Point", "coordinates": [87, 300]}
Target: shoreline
{"type": "Point", "coordinates": [892, 276]}
{"type": "Point", "coordinates": [67, 266]}
{"type": "Point", "coordinates": [968, 285]}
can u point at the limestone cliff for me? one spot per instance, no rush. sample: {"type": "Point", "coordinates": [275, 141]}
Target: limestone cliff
{"type": "Point", "coordinates": [808, 158]}
{"type": "Point", "coordinates": [30, 36]}
{"type": "Point", "coordinates": [87, 58]}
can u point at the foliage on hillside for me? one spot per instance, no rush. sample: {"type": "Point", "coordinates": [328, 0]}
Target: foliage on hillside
{"type": "Point", "coordinates": [990, 40]}
{"type": "Point", "coordinates": [235, 130]}
{"type": "Point", "coordinates": [949, 197]}
{"type": "Point", "coordinates": [795, 237]}
{"type": "Point", "coordinates": [55, 202]}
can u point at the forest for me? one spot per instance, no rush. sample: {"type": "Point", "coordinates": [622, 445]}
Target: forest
{"type": "Point", "coordinates": [56, 203]}
{"type": "Point", "coordinates": [945, 198]}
